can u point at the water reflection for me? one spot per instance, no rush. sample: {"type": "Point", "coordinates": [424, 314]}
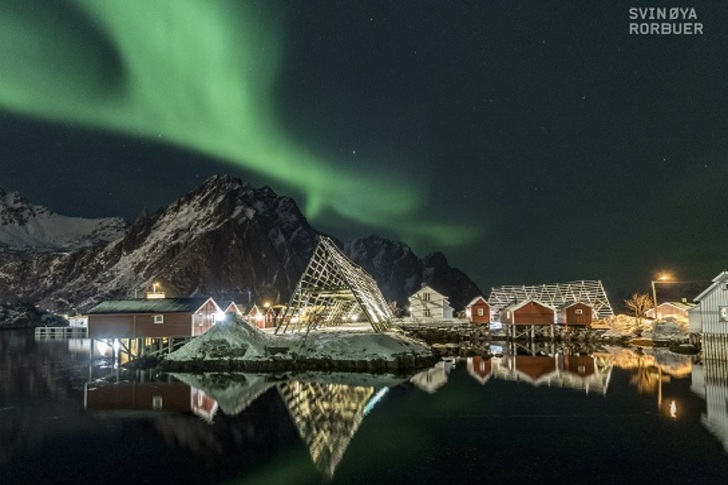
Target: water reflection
{"type": "Point", "coordinates": [710, 382]}
{"type": "Point", "coordinates": [215, 427]}
{"type": "Point", "coordinates": [325, 414]}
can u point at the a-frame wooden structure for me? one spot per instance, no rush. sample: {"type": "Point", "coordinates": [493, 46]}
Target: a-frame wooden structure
{"type": "Point", "coordinates": [334, 291]}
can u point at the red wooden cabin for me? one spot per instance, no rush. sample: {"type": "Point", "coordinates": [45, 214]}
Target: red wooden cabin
{"type": "Point", "coordinates": [154, 318]}
{"type": "Point", "coordinates": [577, 314]}
{"type": "Point", "coordinates": [478, 311]}
{"type": "Point", "coordinates": [528, 312]}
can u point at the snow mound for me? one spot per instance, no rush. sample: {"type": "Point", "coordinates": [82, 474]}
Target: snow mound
{"type": "Point", "coordinates": [359, 346]}
{"type": "Point", "coordinates": [670, 329]}
{"type": "Point", "coordinates": [234, 340]}
{"type": "Point", "coordinates": [228, 340]}
{"type": "Point", "coordinates": [622, 326]}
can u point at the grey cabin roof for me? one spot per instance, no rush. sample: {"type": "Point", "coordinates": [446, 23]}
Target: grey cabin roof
{"type": "Point", "coordinates": [152, 305]}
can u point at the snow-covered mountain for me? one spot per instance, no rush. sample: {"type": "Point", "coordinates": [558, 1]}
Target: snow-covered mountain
{"type": "Point", "coordinates": [24, 225]}
{"type": "Point", "coordinates": [225, 239]}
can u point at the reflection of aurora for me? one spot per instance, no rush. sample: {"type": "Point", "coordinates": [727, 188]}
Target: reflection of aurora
{"type": "Point", "coordinates": [198, 74]}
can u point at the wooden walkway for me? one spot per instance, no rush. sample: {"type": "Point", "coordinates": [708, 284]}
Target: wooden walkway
{"type": "Point", "coordinates": [49, 333]}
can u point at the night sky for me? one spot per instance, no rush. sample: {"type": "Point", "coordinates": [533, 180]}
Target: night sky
{"type": "Point", "coordinates": [531, 142]}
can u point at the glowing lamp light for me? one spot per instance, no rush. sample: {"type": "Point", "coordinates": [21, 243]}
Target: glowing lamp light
{"type": "Point", "coordinates": [219, 316]}
{"type": "Point", "coordinates": [673, 410]}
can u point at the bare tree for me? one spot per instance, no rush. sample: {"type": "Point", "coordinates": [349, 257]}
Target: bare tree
{"type": "Point", "coordinates": [639, 304]}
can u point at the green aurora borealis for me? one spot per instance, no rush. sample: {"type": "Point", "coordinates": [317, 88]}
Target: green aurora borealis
{"type": "Point", "coordinates": [532, 142]}
{"type": "Point", "coordinates": [198, 75]}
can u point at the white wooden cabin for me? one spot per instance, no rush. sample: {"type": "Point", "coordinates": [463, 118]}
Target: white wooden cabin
{"type": "Point", "coordinates": [429, 305]}
{"type": "Point", "coordinates": [695, 324]}
{"type": "Point", "coordinates": [712, 315]}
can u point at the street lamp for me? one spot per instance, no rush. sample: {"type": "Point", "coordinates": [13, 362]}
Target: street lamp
{"type": "Point", "coordinates": [661, 278]}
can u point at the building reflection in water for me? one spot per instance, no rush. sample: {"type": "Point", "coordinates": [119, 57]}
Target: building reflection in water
{"type": "Point", "coordinates": [326, 415]}
{"type": "Point", "coordinates": [581, 372]}
{"type": "Point", "coordinates": [434, 378]}
{"type": "Point", "coordinates": [710, 381]}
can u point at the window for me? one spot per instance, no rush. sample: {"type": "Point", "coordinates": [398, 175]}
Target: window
{"type": "Point", "coordinates": [158, 319]}
{"type": "Point", "coordinates": [480, 312]}
{"type": "Point", "coordinates": [427, 312]}
{"type": "Point", "coordinates": [426, 296]}
{"type": "Point", "coordinates": [723, 313]}
{"type": "Point", "coordinates": [578, 311]}
{"type": "Point", "coordinates": [157, 402]}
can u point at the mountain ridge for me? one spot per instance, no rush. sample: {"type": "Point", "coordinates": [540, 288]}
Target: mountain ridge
{"type": "Point", "coordinates": [225, 239]}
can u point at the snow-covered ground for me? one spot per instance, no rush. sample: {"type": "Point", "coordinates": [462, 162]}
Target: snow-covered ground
{"type": "Point", "coordinates": [238, 341]}
{"type": "Point", "coordinates": [625, 326]}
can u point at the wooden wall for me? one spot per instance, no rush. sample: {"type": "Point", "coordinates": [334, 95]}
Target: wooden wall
{"type": "Point", "coordinates": [570, 316]}
{"type": "Point", "coordinates": [534, 314]}
{"type": "Point", "coordinates": [125, 325]}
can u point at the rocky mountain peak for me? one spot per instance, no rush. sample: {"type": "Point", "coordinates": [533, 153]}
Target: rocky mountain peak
{"type": "Point", "coordinates": [28, 226]}
{"type": "Point", "coordinates": [224, 239]}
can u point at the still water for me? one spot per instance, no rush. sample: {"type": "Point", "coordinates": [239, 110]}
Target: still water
{"type": "Point", "coordinates": [613, 416]}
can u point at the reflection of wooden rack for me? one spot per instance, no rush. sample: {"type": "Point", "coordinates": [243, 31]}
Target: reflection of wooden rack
{"type": "Point", "coordinates": [327, 416]}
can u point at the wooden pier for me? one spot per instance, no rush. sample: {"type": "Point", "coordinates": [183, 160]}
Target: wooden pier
{"type": "Point", "coordinates": [50, 333]}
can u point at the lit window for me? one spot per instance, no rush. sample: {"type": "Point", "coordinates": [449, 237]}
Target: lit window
{"type": "Point", "coordinates": [480, 312]}
{"type": "Point", "coordinates": [157, 402]}
{"type": "Point", "coordinates": [578, 311]}
{"type": "Point", "coordinates": [723, 312]}
{"type": "Point", "coordinates": [158, 318]}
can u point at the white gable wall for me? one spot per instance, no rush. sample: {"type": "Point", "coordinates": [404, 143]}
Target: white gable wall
{"type": "Point", "coordinates": [427, 304]}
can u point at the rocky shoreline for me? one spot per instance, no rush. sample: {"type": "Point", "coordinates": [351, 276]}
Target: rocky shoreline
{"type": "Point", "coordinates": [404, 364]}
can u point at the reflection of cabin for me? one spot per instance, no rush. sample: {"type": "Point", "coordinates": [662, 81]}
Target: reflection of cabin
{"type": "Point", "coordinates": [581, 365]}
{"type": "Point", "coordinates": [427, 304]}
{"type": "Point", "coordinates": [433, 378]}
{"type": "Point", "coordinates": [666, 309]}
{"type": "Point", "coordinates": [711, 317]}
{"type": "Point", "coordinates": [480, 368]}
{"type": "Point", "coordinates": [137, 396]}
{"type": "Point", "coordinates": [582, 372]}
{"type": "Point", "coordinates": [528, 312]}
{"type": "Point", "coordinates": [202, 405]}
{"type": "Point", "coordinates": [160, 317]}
{"type": "Point", "coordinates": [533, 368]}
{"type": "Point", "coordinates": [577, 313]}
{"type": "Point", "coordinates": [478, 311]}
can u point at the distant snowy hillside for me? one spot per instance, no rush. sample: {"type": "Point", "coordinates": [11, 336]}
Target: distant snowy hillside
{"type": "Point", "coordinates": [28, 226]}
